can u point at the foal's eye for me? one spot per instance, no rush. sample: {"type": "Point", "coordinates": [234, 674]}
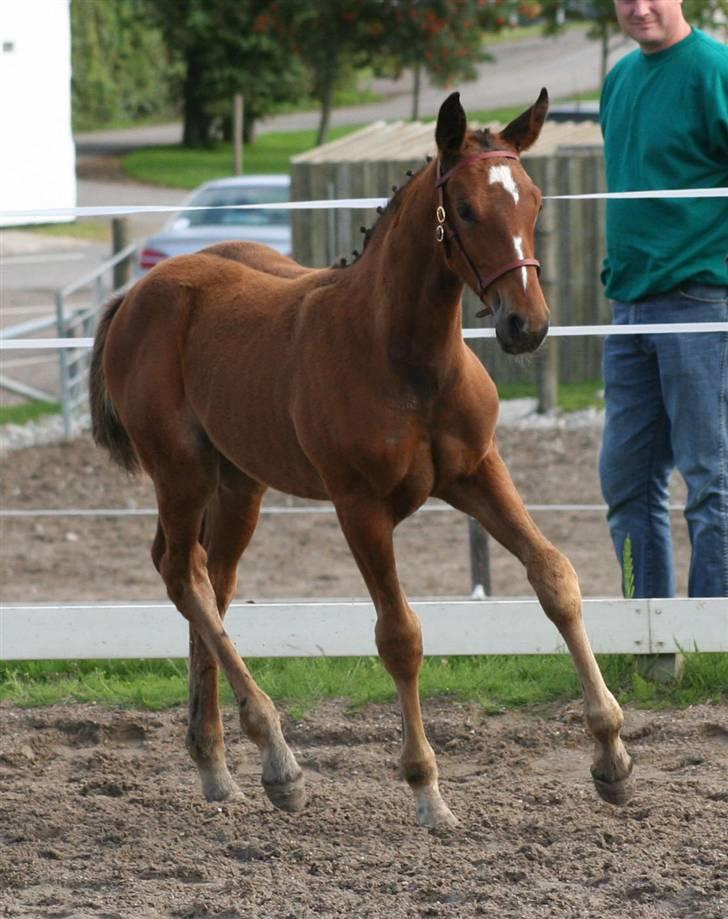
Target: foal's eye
{"type": "Point", "coordinates": [466, 213]}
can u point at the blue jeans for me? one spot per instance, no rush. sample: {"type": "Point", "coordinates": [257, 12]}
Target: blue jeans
{"type": "Point", "coordinates": [667, 406]}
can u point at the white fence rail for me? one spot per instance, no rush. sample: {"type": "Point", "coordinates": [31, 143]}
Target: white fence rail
{"type": "Point", "coordinates": [332, 628]}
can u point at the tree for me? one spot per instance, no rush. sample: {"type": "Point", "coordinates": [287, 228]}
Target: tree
{"type": "Point", "coordinates": [120, 66]}
{"type": "Point", "coordinates": [443, 37]}
{"type": "Point", "coordinates": [332, 38]}
{"type": "Point", "coordinates": [225, 49]}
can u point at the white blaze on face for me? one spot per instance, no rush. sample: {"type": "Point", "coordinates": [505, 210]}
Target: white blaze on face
{"type": "Point", "coordinates": [518, 244]}
{"type": "Point", "coordinates": [503, 176]}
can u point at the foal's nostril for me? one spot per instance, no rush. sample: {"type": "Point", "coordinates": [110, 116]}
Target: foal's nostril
{"type": "Point", "coordinates": [516, 326]}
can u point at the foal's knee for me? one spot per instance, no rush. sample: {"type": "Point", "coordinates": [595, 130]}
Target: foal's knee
{"type": "Point", "coordinates": [399, 642]}
{"type": "Point", "coordinates": [183, 572]}
{"type": "Point", "coordinates": [557, 586]}
{"type": "Point", "coordinates": [159, 546]}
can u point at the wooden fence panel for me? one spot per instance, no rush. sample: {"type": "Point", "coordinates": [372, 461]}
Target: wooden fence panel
{"type": "Point", "coordinates": [316, 628]}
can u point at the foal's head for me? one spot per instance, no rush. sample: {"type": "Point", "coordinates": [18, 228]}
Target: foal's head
{"type": "Point", "coordinates": [487, 216]}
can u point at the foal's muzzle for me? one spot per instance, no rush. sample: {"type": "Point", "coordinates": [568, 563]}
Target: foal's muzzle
{"type": "Point", "coordinates": [516, 334]}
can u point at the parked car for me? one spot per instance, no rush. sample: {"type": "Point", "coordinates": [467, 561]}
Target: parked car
{"type": "Point", "coordinates": [189, 231]}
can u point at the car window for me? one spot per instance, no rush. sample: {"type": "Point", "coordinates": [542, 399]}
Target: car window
{"type": "Point", "coordinates": [217, 197]}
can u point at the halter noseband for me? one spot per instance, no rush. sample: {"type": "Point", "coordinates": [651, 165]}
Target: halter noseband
{"type": "Point", "coordinates": [445, 232]}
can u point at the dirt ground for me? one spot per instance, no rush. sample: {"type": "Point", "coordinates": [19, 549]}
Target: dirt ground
{"type": "Point", "coordinates": [100, 816]}
{"type": "Point", "coordinates": [82, 558]}
{"type": "Point", "coordinates": [100, 813]}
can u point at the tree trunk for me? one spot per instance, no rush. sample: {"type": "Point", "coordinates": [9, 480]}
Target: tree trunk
{"type": "Point", "coordinates": [327, 96]}
{"type": "Point", "coordinates": [248, 125]}
{"type": "Point", "coordinates": [197, 122]}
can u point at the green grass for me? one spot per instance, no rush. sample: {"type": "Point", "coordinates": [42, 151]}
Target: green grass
{"type": "Point", "coordinates": [27, 411]}
{"type": "Point", "coordinates": [299, 683]}
{"type": "Point", "coordinates": [180, 167]}
{"type": "Point", "coordinates": [573, 397]}
{"type": "Point", "coordinates": [93, 230]}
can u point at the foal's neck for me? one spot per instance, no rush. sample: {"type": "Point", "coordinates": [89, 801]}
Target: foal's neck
{"type": "Point", "coordinates": [415, 295]}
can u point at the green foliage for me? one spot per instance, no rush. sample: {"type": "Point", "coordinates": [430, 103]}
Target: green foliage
{"type": "Point", "coordinates": [331, 38]}
{"type": "Point", "coordinates": [703, 13]}
{"type": "Point", "coordinates": [121, 69]}
{"type": "Point", "coordinates": [628, 569]}
{"type": "Point", "coordinates": [445, 36]}
{"type": "Point", "coordinates": [225, 48]}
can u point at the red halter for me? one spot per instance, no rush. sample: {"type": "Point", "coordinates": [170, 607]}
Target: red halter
{"type": "Point", "coordinates": [445, 232]}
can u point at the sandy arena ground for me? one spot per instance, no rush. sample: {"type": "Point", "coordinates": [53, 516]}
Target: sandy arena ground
{"type": "Point", "coordinates": [100, 813]}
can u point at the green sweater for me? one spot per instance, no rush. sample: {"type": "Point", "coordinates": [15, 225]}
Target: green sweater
{"type": "Point", "coordinates": [665, 124]}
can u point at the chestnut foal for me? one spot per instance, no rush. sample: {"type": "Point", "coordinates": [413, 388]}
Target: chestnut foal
{"type": "Point", "coordinates": [233, 370]}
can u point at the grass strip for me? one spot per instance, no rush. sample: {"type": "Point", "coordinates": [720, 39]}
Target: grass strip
{"type": "Point", "coordinates": [299, 683]}
{"type": "Point", "coordinates": [573, 397]}
{"type": "Point", "coordinates": [181, 167]}
{"type": "Point", "coordinates": [27, 411]}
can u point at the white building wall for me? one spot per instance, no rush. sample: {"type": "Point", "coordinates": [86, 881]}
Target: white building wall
{"type": "Point", "coordinates": [37, 155]}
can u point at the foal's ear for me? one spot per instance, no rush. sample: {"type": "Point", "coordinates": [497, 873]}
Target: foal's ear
{"type": "Point", "coordinates": [523, 131]}
{"type": "Point", "coordinates": [451, 125]}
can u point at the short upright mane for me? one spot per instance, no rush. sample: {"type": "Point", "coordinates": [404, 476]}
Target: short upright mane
{"type": "Point", "coordinates": [382, 212]}
{"type": "Point", "coordinates": [485, 138]}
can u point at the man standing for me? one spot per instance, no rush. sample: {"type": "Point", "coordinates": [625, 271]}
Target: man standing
{"type": "Point", "coordinates": [664, 115]}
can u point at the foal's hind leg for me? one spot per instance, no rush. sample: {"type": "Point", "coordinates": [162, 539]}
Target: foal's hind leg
{"type": "Point", "coordinates": [229, 524]}
{"type": "Point", "coordinates": [368, 527]}
{"type": "Point", "coordinates": [491, 498]}
{"type": "Point", "coordinates": [205, 742]}
{"type": "Point", "coordinates": [183, 492]}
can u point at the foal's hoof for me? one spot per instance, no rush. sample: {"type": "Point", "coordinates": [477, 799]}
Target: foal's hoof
{"type": "Point", "coordinates": [618, 792]}
{"type": "Point", "coordinates": [221, 787]}
{"type": "Point", "coordinates": [437, 818]}
{"type": "Point", "coordinates": [288, 796]}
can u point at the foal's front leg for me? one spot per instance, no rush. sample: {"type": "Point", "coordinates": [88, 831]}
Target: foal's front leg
{"type": "Point", "coordinates": [491, 497]}
{"type": "Point", "coordinates": [368, 527]}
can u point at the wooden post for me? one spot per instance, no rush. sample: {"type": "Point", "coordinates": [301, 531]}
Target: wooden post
{"type": "Point", "coordinates": [547, 358]}
{"type": "Point", "coordinates": [661, 668]}
{"type": "Point", "coordinates": [238, 133]}
{"type": "Point", "coordinates": [119, 241]}
{"type": "Point", "coordinates": [479, 560]}
{"type": "Point", "coordinates": [548, 375]}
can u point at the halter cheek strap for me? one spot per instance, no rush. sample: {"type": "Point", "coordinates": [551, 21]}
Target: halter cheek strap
{"type": "Point", "coordinates": [445, 233]}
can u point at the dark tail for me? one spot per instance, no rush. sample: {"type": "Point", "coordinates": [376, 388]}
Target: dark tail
{"type": "Point", "coordinates": [106, 428]}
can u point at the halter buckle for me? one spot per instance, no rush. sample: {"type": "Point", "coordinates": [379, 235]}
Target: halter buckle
{"type": "Point", "coordinates": [439, 232]}
{"type": "Point", "coordinates": [440, 214]}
